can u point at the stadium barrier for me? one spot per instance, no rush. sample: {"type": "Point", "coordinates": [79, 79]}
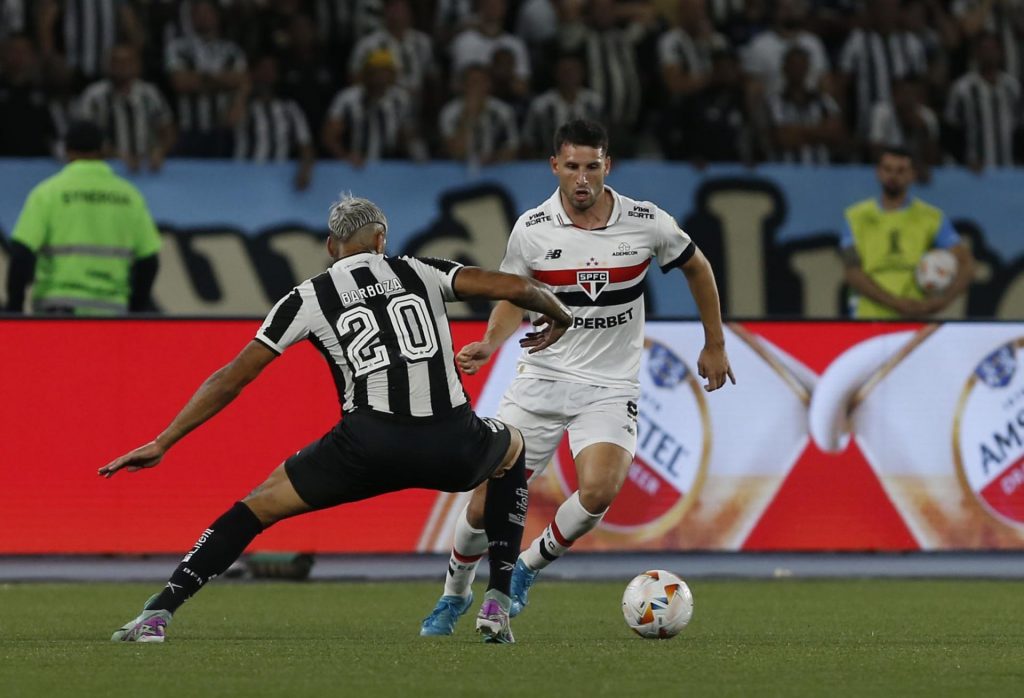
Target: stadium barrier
{"type": "Point", "coordinates": [237, 236]}
{"type": "Point", "coordinates": [838, 436]}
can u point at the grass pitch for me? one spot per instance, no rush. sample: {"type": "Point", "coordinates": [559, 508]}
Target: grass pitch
{"type": "Point", "coordinates": [747, 638]}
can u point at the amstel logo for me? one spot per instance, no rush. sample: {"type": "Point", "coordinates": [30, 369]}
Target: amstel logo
{"type": "Point", "coordinates": [988, 434]}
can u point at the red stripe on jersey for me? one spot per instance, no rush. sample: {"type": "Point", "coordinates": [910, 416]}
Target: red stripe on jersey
{"type": "Point", "coordinates": [567, 277]}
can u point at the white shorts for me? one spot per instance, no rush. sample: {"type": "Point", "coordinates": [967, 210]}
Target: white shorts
{"type": "Point", "coordinates": [543, 409]}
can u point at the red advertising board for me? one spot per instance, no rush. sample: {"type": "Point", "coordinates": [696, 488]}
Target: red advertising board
{"type": "Point", "coordinates": [838, 436]}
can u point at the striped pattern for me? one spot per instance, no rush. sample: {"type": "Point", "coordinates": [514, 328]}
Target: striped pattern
{"type": "Point", "coordinates": [413, 53]}
{"type": "Point", "coordinates": [494, 130]}
{"type": "Point", "coordinates": [90, 30]}
{"type": "Point", "coordinates": [372, 130]}
{"type": "Point", "coordinates": [131, 120]}
{"type": "Point", "coordinates": [677, 48]}
{"type": "Point", "coordinates": [381, 325]}
{"type": "Point", "coordinates": [271, 130]}
{"type": "Point", "coordinates": [203, 112]}
{"type": "Point", "coordinates": [612, 72]}
{"type": "Point", "coordinates": [784, 111]}
{"type": "Point", "coordinates": [550, 110]}
{"type": "Point", "coordinates": [987, 114]}
{"type": "Point", "coordinates": [874, 61]}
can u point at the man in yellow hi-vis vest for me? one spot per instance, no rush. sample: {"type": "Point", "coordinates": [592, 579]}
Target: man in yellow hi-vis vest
{"type": "Point", "coordinates": [884, 238]}
{"type": "Point", "coordinates": [85, 237]}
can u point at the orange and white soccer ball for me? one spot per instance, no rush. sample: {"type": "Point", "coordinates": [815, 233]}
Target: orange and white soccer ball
{"type": "Point", "coordinates": [657, 605]}
{"type": "Point", "coordinates": [935, 271]}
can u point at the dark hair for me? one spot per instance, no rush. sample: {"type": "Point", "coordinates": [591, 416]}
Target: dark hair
{"type": "Point", "coordinates": [896, 151]}
{"type": "Point", "coordinates": [83, 137]}
{"type": "Point", "coordinates": [581, 132]}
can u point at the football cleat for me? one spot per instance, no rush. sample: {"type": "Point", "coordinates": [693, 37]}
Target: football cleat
{"type": "Point", "coordinates": [492, 621]}
{"type": "Point", "coordinates": [522, 579]}
{"type": "Point", "coordinates": [148, 626]}
{"type": "Point", "coordinates": [445, 615]}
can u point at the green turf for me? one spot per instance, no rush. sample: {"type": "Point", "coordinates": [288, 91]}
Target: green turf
{"type": "Point", "coordinates": [747, 638]}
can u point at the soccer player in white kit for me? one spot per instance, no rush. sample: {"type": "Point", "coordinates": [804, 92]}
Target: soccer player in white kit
{"type": "Point", "coordinates": [593, 246]}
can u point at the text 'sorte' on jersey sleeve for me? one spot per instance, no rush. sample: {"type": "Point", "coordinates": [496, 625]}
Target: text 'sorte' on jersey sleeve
{"type": "Point", "coordinates": [287, 323]}
{"type": "Point", "coordinates": [672, 246]}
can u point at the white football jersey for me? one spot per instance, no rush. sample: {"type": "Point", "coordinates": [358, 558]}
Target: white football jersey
{"type": "Point", "coordinates": [599, 274]}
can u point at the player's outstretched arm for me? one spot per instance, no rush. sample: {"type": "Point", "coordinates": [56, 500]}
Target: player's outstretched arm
{"type": "Point", "coordinates": [505, 319]}
{"type": "Point", "coordinates": [216, 392]}
{"type": "Point", "coordinates": [473, 282]}
{"type": "Point", "coordinates": [713, 363]}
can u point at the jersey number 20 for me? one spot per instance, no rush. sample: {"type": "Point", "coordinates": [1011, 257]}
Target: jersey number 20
{"type": "Point", "coordinates": [413, 328]}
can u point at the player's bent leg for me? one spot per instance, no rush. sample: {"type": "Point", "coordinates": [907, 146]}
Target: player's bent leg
{"type": "Point", "coordinates": [504, 519]}
{"type": "Point", "coordinates": [601, 469]}
{"type": "Point", "coordinates": [217, 547]}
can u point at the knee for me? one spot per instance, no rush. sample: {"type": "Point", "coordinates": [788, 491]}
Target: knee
{"type": "Point", "coordinates": [264, 511]}
{"type": "Point", "coordinates": [597, 497]}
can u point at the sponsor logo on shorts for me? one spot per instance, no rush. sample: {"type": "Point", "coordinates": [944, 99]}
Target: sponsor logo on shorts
{"type": "Point", "coordinates": [988, 434]}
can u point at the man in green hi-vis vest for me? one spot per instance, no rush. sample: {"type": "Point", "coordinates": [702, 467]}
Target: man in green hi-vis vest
{"type": "Point", "coordinates": [85, 237]}
{"type": "Point", "coordinates": [884, 238]}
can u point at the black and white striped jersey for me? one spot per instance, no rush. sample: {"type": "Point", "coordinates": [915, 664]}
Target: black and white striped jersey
{"type": "Point", "coordinates": [874, 61]}
{"type": "Point", "coordinates": [373, 130]}
{"type": "Point", "coordinates": [551, 109]}
{"type": "Point", "coordinates": [381, 324]}
{"type": "Point", "coordinates": [272, 130]}
{"type": "Point", "coordinates": [90, 30]}
{"type": "Point", "coordinates": [131, 120]}
{"type": "Point", "coordinates": [612, 71]}
{"type": "Point", "coordinates": [783, 111]}
{"type": "Point", "coordinates": [413, 54]}
{"type": "Point", "coordinates": [202, 112]}
{"type": "Point", "coordinates": [988, 115]}
{"type": "Point", "coordinates": [494, 129]}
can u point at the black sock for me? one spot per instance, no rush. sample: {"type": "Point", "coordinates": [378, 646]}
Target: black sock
{"type": "Point", "coordinates": [504, 518]}
{"type": "Point", "coordinates": [216, 549]}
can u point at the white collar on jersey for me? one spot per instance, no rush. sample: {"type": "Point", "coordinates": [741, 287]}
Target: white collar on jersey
{"type": "Point", "coordinates": [560, 217]}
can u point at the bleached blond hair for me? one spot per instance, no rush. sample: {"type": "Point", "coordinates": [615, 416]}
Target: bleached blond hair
{"type": "Point", "coordinates": [350, 214]}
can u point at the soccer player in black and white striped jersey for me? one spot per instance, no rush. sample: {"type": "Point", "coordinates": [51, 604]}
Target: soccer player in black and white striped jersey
{"type": "Point", "coordinates": [380, 323]}
{"type": "Point", "coordinates": [135, 117]}
{"type": "Point", "coordinates": [984, 109]}
{"type": "Point", "coordinates": [269, 127]}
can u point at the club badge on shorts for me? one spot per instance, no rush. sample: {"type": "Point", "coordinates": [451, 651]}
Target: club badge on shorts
{"type": "Point", "coordinates": [988, 434]}
{"type": "Point", "coordinates": [672, 449]}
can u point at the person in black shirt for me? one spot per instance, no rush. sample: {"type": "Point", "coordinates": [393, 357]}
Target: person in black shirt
{"type": "Point", "coordinates": [26, 126]}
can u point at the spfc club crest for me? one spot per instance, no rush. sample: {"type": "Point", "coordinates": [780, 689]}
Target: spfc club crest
{"type": "Point", "coordinates": [988, 434]}
{"type": "Point", "coordinates": [592, 282]}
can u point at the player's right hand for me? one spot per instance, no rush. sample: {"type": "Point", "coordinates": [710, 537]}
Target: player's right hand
{"type": "Point", "coordinates": [145, 456]}
{"type": "Point", "coordinates": [472, 356]}
{"type": "Point", "coordinates": [550, 331]}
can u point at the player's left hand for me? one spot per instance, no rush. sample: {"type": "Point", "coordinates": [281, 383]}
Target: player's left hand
{"type": "Point", "coordinates": [145, 456]}
{"type": "Point", "coordinates": [713, 364]}
{"type": "Point", "coordinates": [550, 331]}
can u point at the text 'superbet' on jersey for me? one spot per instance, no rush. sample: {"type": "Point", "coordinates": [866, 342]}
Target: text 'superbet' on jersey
{"type": "Point", "coordinates": [381, 324]}
{"type": "Point", "coordinates": [599, 274]}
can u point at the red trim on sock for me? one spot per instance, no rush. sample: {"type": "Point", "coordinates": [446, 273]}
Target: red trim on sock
{"type": "Point", "coordinates": [559, 538]}
{"type": "Point", "coordinates": [465, 558]}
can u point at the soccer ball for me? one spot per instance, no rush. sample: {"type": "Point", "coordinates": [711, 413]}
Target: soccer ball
{"type": "Point", "coordinates": [657, 604]}
{"type": "Point", "coordinates": [936, 271]}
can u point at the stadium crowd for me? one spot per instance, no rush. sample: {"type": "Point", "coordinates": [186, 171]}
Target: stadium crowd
{"type": "Point", "coordinates": [804, 81]}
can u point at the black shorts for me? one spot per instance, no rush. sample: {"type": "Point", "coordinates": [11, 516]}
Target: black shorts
{"type": "Point", "coordinates": [368, 453]}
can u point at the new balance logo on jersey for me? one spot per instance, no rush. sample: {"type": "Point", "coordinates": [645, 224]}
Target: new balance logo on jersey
{"type": "Point", "coordinates": [553, 254]}
{"type": "Point", "coordinates": [592, 282]}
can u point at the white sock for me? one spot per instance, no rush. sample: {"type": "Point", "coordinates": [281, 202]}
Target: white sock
{"type": "Point", "coordinates": [571, 522]}
{"type": "Point", "coordinates": [470, 545]}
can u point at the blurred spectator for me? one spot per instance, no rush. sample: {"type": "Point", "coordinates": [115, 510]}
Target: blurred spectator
{"type": "Point", "coordinates": [26, 125]}
{"type": "Point", "coordinates": [567, 101]}
{"type": "Point", "coordinates": [134, 116]}
{"type": "Point", "coordinates": [684, 51]}
{"type": "Point", "coordinates": [452, 17]}
{"type": "Point", "coordinates": [413, 50]}
{"type": "Point", "coordinates": [477, 44]}
{"type": "Point", "coordinates": [370, 120]}
{"type": "Point", "coordinates": [204, 70]}
{"type": "Point", "coordinates": [343, 22]}
{"type": "Point", "coordinates": [306, 74]}
{"type": "Point", "coordinates": [268, 127]}
{"type": "Point", "coordinates": [476, 127]}
{"type": "Point", "coordinates": [875, 56]}
{"type": "Point", "coordinates": [984, 109]}
{"type": "Point", "coordinates": [739, 20]}
{"type": "Point", "coordinates": [537, 22]}
{"type": "Point", "coordinates": [1004, 18]}
{"type": "Point", "coordinates": [906, 123]}
{"type": "Point", "coordinates": [611, 66]}
{"type": "Point", "coordinates": [762, 58]}
{"type": "Point", "coordinates": [85, 31]}
{"type": "Point", "coordinates": [806, 127]}
{"type": "Point", "coordinates": [16, 17]}
{"type": "Point", "coordinates": [832, 21]}
{"type": "Point", "coordinates": [504, 84]}
{"type": "Point", "coordinates": [931, 24]}
{"type": "Point", "coordinates": [712, 125]}
{"type": "Point", "coordinates": [266, 28]}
